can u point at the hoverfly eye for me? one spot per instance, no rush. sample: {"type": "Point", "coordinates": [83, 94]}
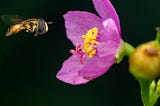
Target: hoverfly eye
{"type": "Point", "coordinates": [42, 26]}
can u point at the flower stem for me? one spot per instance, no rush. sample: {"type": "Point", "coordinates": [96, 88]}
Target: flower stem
{"type": "Point", "coordinates": [158, 35]}
{"type": "Point", "coordinates": [145, 84]}
{"type": "Point", "coordinates": [129, 48]}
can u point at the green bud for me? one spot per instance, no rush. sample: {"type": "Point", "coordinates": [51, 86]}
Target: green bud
{"type": "Point", "coordinates": [158, 87]}
{"type": "Point", "coordinates": [152, 87]}
{"type": "Point", "coordinates": [144, 62]}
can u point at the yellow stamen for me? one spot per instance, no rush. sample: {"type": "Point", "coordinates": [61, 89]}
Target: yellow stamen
{"type": "Point", "coordinates": [90, 41]}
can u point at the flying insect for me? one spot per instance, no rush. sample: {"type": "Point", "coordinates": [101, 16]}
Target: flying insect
{"type": "Point", "coordinates": [18, 23]}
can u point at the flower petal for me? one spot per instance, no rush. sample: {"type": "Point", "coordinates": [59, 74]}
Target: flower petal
{"type": "Point", "coordinates": [107, 49]}
{"type": "Point", "coordinates": [78, 23]}
{"type": "Point", "coordinates": [110, 31]}
{"type": "Point", "coordinates": [69, 72]}
{"type": "Point", "coordinates": [106, 10]}
{"type": "Point", "coordinates": [99, 65]}
{"type": "Point", "coordinates": [75, 73]}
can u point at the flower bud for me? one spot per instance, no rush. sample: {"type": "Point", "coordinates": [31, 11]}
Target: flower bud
{"type": "Point", "coordinates": [144, 62]}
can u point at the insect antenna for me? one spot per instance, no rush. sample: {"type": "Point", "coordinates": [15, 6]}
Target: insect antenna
{"type": "Point", "coordinates": [50, 22]}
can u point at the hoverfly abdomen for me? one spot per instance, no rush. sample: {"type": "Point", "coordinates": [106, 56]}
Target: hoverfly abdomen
{"type": "Point", "coordinates": [14, 29]}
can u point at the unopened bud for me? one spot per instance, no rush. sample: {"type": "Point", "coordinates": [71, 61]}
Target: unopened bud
{"type": "Point", "coordinates": [144, 62]}
{"type": "Point", "coordinates": [158, 87]}
{"type": "Point", "coordinates": [152, 87]}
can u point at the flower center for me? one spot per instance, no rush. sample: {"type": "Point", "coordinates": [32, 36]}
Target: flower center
{"type": "Point", "coordinates": [90, 42]}
{"type": "Point", "coordinates": [89, 45]}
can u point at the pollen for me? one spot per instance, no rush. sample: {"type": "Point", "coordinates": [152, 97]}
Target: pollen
{"type": "Point", "coordinates": [88, 48]}
{"type": "Point", "coordinates": [90, 42]}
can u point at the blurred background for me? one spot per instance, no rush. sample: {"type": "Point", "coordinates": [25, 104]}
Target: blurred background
{"type": "Point", "coordinates": [28, 64]}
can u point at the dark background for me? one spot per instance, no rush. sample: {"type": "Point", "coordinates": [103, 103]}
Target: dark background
{"type": "Point", "coordinates": [28, 65]}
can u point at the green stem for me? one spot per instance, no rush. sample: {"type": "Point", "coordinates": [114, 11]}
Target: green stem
{"type": "Point", "coordinates": [129, 48]}
{"type": "Point", "coordinates": [158, 35]}
{"type": "Point", "coordinates": [145, 84]}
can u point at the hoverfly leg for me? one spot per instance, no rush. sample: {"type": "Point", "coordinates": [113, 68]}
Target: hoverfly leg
{"type": "Point", "coordinates": [36, 34]}
{"type": "Point", "coordinates": [29, 30]}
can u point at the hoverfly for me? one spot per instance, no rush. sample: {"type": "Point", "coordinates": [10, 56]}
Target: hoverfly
{"type": "Point", "coordinates": [18, 23]}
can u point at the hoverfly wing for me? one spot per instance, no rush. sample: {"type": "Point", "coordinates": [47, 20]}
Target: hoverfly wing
{"type": "Point", "coordinates": [12, 19]}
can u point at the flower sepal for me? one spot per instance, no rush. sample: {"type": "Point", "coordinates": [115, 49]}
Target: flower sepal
{"type": "Point", "coordinates": [125, 49]}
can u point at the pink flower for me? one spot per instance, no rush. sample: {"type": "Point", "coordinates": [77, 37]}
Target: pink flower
{"type": "Point", "coordinates": [96, 38]}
